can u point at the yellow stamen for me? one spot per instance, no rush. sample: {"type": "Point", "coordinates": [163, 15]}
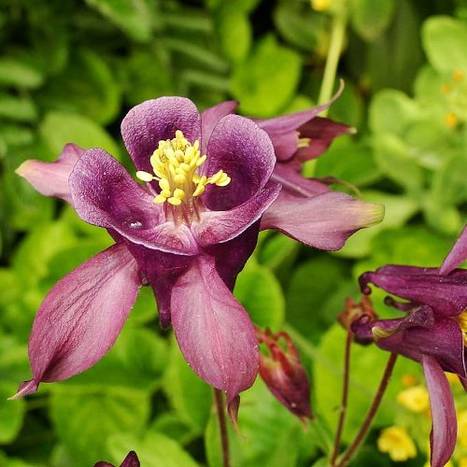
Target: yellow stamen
{"type": "Point", "coordinates": [303, 142]}
{"type": "Point", "coordinates": [397, 443]}
{"type": "Point", "coordinates": [451, 120]}
{"type": "Point", "coordinates": [462, 320]}
{"type": "Point", "coordinates": [175, 163]}
{"type": "Point", "coordinates": [415, 399]}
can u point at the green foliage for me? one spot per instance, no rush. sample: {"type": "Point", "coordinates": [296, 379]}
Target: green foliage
{"type": "Point", "coordinates": [69, 71]}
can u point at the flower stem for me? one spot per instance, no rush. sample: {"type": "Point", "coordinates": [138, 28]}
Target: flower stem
{"type": "Point", "coordinates": [345, 397]}
{"type": "Point", "coordinates": [339, 23]}
{"type": "Point", "coordinates": [219, 399]}
{"type": "Point", "coordinates": [360, 437]}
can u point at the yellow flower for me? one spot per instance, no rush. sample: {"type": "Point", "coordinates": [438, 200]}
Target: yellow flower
{"type": "Point", "coordinates": [463, 462]}
{"type": "Point", "coordinates": [397, 443]}
{"type": "Point", "coordinates": [320, 5]}
{"type": "Point", "coordinates": [415, 399]}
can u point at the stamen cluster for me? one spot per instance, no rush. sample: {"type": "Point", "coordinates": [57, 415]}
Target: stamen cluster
{"type": "Point", "coordinates": [175, 164]}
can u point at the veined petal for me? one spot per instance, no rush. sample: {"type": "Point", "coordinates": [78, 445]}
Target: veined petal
{"type": "Point", "coordinates": [157, 119]}
{"type": "Point", "coordinates": [244, 151]}
{"type": "Point", "coordinates": [210, 118]}
{"type": "Point", "coordinates": [51, 178]}
{"type": "Point", "coordinates": [213, 330]}
{"type": "Point", "coordinates": [457, 255]}
{"type": "Point", "coordinates": [447, 295]}
{"type": "Point", "coordinates": [221, 226]}
{"type": "Point", "coordinates": [82, 316]}
{"type": "Point", "coordinates": [104, 194]}
{"type": "Point", "coordinates": [443, 413]}
{"type": "Point", "coordinates": [324, 221]}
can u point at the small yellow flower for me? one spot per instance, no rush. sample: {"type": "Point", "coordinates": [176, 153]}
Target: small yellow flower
{"type": "Point", "coordinates": [321, 5]}
{"type": "Point", "coordinates": [415, 399]}
{"type": "Point", "coordinates": [457, 75]}
{"type": "Point", "coordinates": [463, 462]}
{"type": "Point", "coordinates": [397, 443]}
{"type": "Point", "coordinates": [451, 120]}
{"type": "Point", "coordinates": [462, 428]}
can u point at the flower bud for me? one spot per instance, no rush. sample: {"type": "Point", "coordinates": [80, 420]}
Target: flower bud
{"type": "Point", "coordinates": [282, 371]}
{"type": "Point", "coordinates": [356, 315]}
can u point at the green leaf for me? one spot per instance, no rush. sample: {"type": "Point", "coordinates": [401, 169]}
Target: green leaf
{"type": "Point", "coordinates": [444, 40]}
{"type": "Point", "coordinates": [267, 80]}
{"type": "Point", "coordinates": [189, 395]}
{"type": "Point", "coordinates": [311, 287]}
{"type": "Point", "coordinates": [260, 293]}
{"type": "Point", "coordinates": [278, 252]}
{"type": "Point", "coordinates": [21, 109]}
{"type": "Point", "coordinates": [370, 18]}
{"type": "Point", "coordinates": [234, 31]}
{"type": "Point", "coordinates": [134, 17]}
{"type": "Point", "coordinates": [87, 86]}
{"type": "Point", "coordinates": [60, 128]}
{"type": "Point", "coordinates": [83, 420]}
{"type": "Point", "coordinates": [270, 435]}
{"type": "Point", "coordinates": [19, 73]}
{"type": "Point", "coordinates": [154, 450]}
{"type": "Point", "coordinates": [367, 367]}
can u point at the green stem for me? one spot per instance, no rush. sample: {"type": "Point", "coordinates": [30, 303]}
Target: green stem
{"type": "Point", "coordinates": [219, 400]}
{"type": "Point", "coordinates": [339, 23]}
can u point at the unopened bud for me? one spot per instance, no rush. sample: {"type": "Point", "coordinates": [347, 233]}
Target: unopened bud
{"type": "Point", "coordinates": [131, 460]}
{"type": "Point", "coordinates": [282, 371]}
{"type": "Point", "coordinates": [356, 315]}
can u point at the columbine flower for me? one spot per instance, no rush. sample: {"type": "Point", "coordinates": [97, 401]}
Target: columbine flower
{"type": "Point", "coordinates": [131, 460]}
{"type": "Point", "coordinates": [433, 332]}
{"type": "Point", "coordinates": [283, 372]}
{"type": "Point", "coordinates": [187, 232]}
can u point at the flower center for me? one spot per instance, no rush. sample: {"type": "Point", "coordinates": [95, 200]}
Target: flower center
{"type": "Point", "coordinates": [462, 320]}
{"type": "Point", "coordinates": [175, 164]}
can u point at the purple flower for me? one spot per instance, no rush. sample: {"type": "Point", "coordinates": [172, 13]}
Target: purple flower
{"type": "Point", "coordinates": [432, 332]}
{"type": "Point", "coordinates": [284, 375]}
{"type": "Point", "coordinates": [131, 460]}
{"type": "Point", "coordinates": [187, 232]}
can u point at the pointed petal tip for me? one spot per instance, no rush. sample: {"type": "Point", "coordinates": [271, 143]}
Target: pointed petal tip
{"type": "Point", "coordinates": [25, 389]}
{"type": "Point", "coordinates": [372, 214]}
{"type": "Point", "coordinates": [233, 404]}
{"type": "Point", "coordinates": [23, 169]}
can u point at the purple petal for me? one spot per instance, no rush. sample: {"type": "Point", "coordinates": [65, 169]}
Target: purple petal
{"type": "Point", "coordinates": [82, 316]}
{"type": "Point", "coordinates": [51, 178]}
{"type": "Point", "coordinates": [321, 132]}
{"type": "Point", "coordinates": [296, 184]}
{"type": "Point", "coordinates": [213, 330]}
{"type": "Point", "coordinates": [211, 117]}
{"type": "Point", "coordinates": [284, 130]}
{"type": "Point", "coordinates": [221, 226]}
{"type": "Point", "coordinates": [443, 413]}
{"type": "Point", "coordinates": [240, 148]}
{"type": "Point", "coordinates": [457, 255]}
{"type": "Point", "coordinates": [447, 295]}
{"type": "Point", "coordinates": [324, 221]}
{"type": "Point", "coordinates": [442, 340]}
{"type": "Point", "coordinates": [104, 194]}
{"type": "Point", "coordinates": [157, 119]}
{"type": "Point", "coordinates": [131, 460]}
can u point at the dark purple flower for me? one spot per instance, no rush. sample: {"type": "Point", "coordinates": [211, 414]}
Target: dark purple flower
{"type": "Point", "coordinates": [282, 371]}
{"type": "Point", "coordinates": [187, 232]}
{"type": "Point", "coordinates": [432, 332]}
{"type": "Point", "coordinates": [131, 460]}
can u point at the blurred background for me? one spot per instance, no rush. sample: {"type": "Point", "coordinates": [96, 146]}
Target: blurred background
{"type": "Point", "coordinates": [71, 69]}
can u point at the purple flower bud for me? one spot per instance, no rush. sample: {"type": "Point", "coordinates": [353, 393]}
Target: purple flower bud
{"type": "Point", "coordinates": [131, 460]}
{"type": "Point", "coordinates": [282, 371]}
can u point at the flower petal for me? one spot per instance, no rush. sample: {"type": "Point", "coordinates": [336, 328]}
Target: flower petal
{"type": "Point", "coordinates": [245, 152]}
{"type": "Point", "coordinates": [447, 295]}
{"type": "Point", "coordinates": [104, 194]}
{"type": "Point", "coordinates": [221, 226]}
{"type": "Point", "coordinates": [321, 132]}
{"type": "Point", "coordinates": [457, 255]}
{"type": "Point", "coordinates": [51, 178]}
{"type": "Point", "coordinates": [210, 118]}
{"type": "Point", "coordinates": [284, 130]}
{"type": "Point", "coordinates": [444, 429]}
{"type": "Point", "coordinates": [82, 316]}
{"type": "Point", "coordinates": [157, 119]}
{"type": "Point", "coordinates": [324, 221]}
{"type": "Point", "coordinates": [213, 330]}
